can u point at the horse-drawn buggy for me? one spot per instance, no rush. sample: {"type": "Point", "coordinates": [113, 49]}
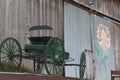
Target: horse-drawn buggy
{"type": "Point", "coordinates": [46, 50]}
{"type": "Point", "coordinates": [43, 50]}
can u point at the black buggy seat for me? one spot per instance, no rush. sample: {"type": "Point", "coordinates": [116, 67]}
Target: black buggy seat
{"type": "Point", "coordinates": [40, 40]}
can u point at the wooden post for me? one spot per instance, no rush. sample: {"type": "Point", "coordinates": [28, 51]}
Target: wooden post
{"type": "Point", "coordinates": [89, 64]}
{"type": "Point", "coordinates": [115, 74]}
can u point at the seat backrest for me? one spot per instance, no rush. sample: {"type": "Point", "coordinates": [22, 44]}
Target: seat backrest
{"type": "Point", "coordinates": [40, 27]}
{"type": "Point", "coordinates": [39, 40]}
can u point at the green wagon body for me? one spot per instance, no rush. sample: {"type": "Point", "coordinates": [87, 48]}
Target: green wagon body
{"type": "Point", "coordinates": [38, 45]}
{"type": "Point", "coordinates": [51, 48]}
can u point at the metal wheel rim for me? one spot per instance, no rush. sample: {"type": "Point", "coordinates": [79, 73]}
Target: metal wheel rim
{"type": "Point", "coordinates": [9, 50]}
{"type": "Point", "coordinates": [54, 64]}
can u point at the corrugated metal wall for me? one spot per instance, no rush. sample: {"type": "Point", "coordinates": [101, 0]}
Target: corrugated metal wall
{"type": "Point", "coordinates": [104, 58]}
{"type": "Point", "coordinates": [76, 36]}
{"type": "Point", "coordinates": [80, 29]}
{"type": "Point", "coordinates": [16, 16]}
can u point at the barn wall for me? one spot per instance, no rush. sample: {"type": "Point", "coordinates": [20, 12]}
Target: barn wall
{"type": "Point", "coordinates": [80, 35]}
{"type": "Point", "coordinates": [109, 7]}
{"type": "Point", "coordinates": [117, 45]}
{"type": "Point", "coordinates": [16, 16]}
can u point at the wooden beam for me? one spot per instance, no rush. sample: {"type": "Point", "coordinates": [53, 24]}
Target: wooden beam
{"type": "Point", "coordinates": [115, 74]}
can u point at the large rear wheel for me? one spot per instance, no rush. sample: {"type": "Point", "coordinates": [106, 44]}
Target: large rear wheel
{"type": "Point", "coordinates": [10, 53]}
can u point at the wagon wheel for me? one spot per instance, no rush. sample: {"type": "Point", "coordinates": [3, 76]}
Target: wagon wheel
{"type": "Point", "coordinates": [38, 66]}
{"type": "Point", "coordinates": [10, 53]}
{"type": "Point", "coordinates": [55, 62]}
{"type": "Point", "coordinates": [82, 65]}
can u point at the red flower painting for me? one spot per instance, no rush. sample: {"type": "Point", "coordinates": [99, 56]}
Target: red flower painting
{"type": "Point", "coordinates": [103, 35]}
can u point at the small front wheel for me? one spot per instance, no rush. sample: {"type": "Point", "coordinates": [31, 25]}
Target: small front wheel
{"type": "Point", "coordinates": [82, 65]}
{"type": "Point", "coordinates": [38, 66]}
{"type": "Point", "coordinates": [55, 60]}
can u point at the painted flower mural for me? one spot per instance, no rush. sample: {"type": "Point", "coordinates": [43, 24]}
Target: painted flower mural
{"type": "Point", "coordinates": [103, 35]}
{"type": "Point", "coordinates": [104, 40]}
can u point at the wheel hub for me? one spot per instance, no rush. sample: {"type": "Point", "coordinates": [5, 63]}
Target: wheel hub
{"type": "Point", "coordinates": [56, 56]}
{"type": "Point", "coordinates": [10, 56]}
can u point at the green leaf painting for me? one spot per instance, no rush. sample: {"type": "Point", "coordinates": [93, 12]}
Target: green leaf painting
{"type": "Point", "coordinates": [103, 58]}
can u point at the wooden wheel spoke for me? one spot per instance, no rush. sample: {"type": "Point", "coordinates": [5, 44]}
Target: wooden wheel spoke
{"type": "Point", "coordinates": [50, 68]}
{"type": "Point", "coordinates": [59, 67]}
{"type": "Point", "coordinates": [4, 57]}
{"type": "Point", "coordinates": [7, 45]}
{"type": "Point", "coordinates": [4, 52]}
{"type": "Point", "coordinates": [5, 49]}
{"type": "Point", "coordinates": [37, 66]}
{"type": "Point", "coordinates": [16, 61]}
{"type": "Point", "coordinates": [55, 68]}
{"type": "Point", "coordinates": [16, 50]}
{"type": "Point", "coordinates": [14, 46]}
{"type": "Point", "coordinates": [58, 51]}
{"type": "Point", "coordinates": [14, 64]}
{"type": "Point", "coordinates": [18, 58]}
{"type": "Point", "coordinates": [9, 63]}
{"type": "Point", "coordinates": [58, 47]}
{"type": "Point", "coordinates": [6, 61]}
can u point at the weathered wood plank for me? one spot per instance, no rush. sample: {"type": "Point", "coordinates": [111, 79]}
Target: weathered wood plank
{"type": "Point", "coordinates": [117, 45]}
{"type": "Point", "coordinates": [89, 64]}
{"type": "Point", "coordinates": [2, 19]}
{"type": "Point", "coordinates": [109, 7]}
{"type": "Point", "coordinates": [18, 15]}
